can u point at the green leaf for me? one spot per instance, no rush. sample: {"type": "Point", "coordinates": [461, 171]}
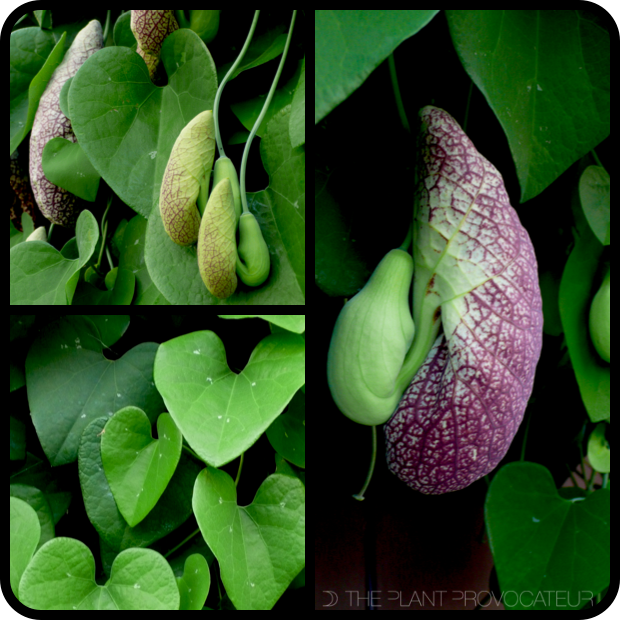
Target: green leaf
{"type": "Point", "coordinates": [66, 165]}
{"type": "Point", "coordinates": [137, 466]}
{"type": "Point", "coordinates": [578, 284]}
{"type": "Point", "coordinates": [534, 106]}
{"type": "Point", "coordinates": [347, 49]}
{"type": "Point", "coordinates": [25, 534]}
{"type": "Point", "coordinates": [260, 547]}
{"type": "Point", "coordinates": [195, 583]}
{"type": "Point", "coordinates": [220, 413]}
{"type": "Point", "coordinates": [127, 125]}
{"type": "Point", "coordinates": [292, 322]}
{"type": "Point", "coordinates": [42, 275]}
{"type": "Point", "coordinates": [543, 544]}
{"type": "Point", "coordinates": [287, 434]}
{"type": "Point", "coordinates": [71, 383]}
{"type": "Point", "coordinates": [62, 576]}
{"type": "Point", "coordinates": [171, 511]}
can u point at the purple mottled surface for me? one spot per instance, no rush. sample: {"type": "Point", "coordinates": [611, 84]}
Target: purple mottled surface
{"type": "Point", "coordinates": [476, 269]}
{"type": "Point", "coordinates": [57, 204]}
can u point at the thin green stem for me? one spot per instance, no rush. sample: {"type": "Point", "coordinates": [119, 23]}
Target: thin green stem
{"type": "Point", "coordinates": [259, 120]}
{"type": "Point", "coordinates": [218, 95]}
{"type": "Point", "coordinates": [407, 242]}
{"type": "Point", "coordinates": [397, 97]}
{"type": "Point", "coordinates": [360, 496]}
{"type": "Point", "coordinates": [240, 469]}
{"type": "Point", "coordinates": [194, 533]}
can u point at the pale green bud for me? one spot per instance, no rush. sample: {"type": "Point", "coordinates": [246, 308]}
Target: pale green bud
{"type": "Point", "coordinates": [217, 246]}
{"type": "Point", "coordinates": [252, 251]}
{"type": "Point", "coordinates": [189, 165]}
{"type": "Point", "coordinates": [371, 338]}
{"type": "Point", "coordinates": [224, 168]}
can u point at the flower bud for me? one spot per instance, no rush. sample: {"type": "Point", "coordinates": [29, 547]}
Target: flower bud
{"type": "Point", "coordinates": [150, 29]}
{"type": "Point", "coordinates": [371, 338]}
{"type": "Point", "coordinates": [189, 165]}
{"type": "Point", "coordinates": [252, 251]}
{"type": "Point", "coordinates": [217, 246]}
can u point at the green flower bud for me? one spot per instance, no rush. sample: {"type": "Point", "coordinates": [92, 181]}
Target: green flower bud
{"type": "Point", "coordinates": [110, 278]}
{"type": "Point", "coordinates": [252, 251]}
{"type": "Point", "coordinates": [217, 247]}
{"type": "Point", "coordinates": [600, 319]}
{"type": "Point", "coordinates": [224, 168]}
{"type": "Point", "coordinates": [92, 276]}
{"type": "Point", "coordinates": [150, 29]}
{"type": "Point", "coordinates": [371, 338]}
{"type": "Point", "coordinates": [189, 165]}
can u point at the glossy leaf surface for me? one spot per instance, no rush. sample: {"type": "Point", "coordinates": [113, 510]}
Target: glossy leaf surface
{"type": "Point", "coordinates": [522, 62]}
{"type": "Point", "coordinates": [62, 576]}
{"type": "Point", "coordinates": [260, 547]}
{"type": "Point", "coordinates": [70, 350]}
{"type": "Point", "coordinates": [127, 125]}
{"type": "Point", "coordinates": [195, 582]}
{"type": "Point", "coordinates": [173, 508]}
{"type": "Point", "coordinates": [549, 550]}
{"type": "Point", "coordinates": [475, 275]}
{"type": "Point", "coordinates": [137, 466]}
{"type": "Point", "coordinates": [222, 413]}
{"type": "Point", "coordinates": [25, 535]}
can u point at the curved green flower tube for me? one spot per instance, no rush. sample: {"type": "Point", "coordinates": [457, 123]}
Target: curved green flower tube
{"type": "Point", "coordinates": [224, 168]}
{"type": "Point", "coordinates": [217, 247]}
{"type": "Point", "coordinates": [252, 251]}
{"type": "Point", "coordinates": [371, 338]}
{"type": "Point", "coordinates": [600, 319]}
{"type": "Point", "coordinates": [187, 170]}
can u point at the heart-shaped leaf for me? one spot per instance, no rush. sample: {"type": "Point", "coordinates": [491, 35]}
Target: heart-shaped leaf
{"type": "Point", "coordinates": [79, 384]}
{"type": "Point", "coordinates": [137, 466]}
{"type": "Point", "coordinates": [195, 583]}
{"type": "Point", "coordinates": [548, 550]}
{"type": "Point", "coordinates": [25, 535]}
{"type": "Point", "coordinates": [61, 575]}
{"type": "Point", "coordinates": [260, 547]}
{"type": "Point", "coordinates": [173, 508]}
{"type": "Point", "coordinates": [221, 413]}
{"type": "Point", "coordinates": [127, 125]}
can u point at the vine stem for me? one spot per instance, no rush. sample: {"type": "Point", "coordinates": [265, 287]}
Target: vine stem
{"type": "Point", "coordinates": [259, 120]}
{"type": "Point", "coordinates": [360, 496]}
{"type": "Point", "coordinates": [231, 71]}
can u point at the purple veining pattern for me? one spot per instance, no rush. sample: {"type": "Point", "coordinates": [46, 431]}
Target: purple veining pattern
{"type": "Point", "coordinates": [57, 204]}
{"type": "Point", "coordinates": [463, 408]}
